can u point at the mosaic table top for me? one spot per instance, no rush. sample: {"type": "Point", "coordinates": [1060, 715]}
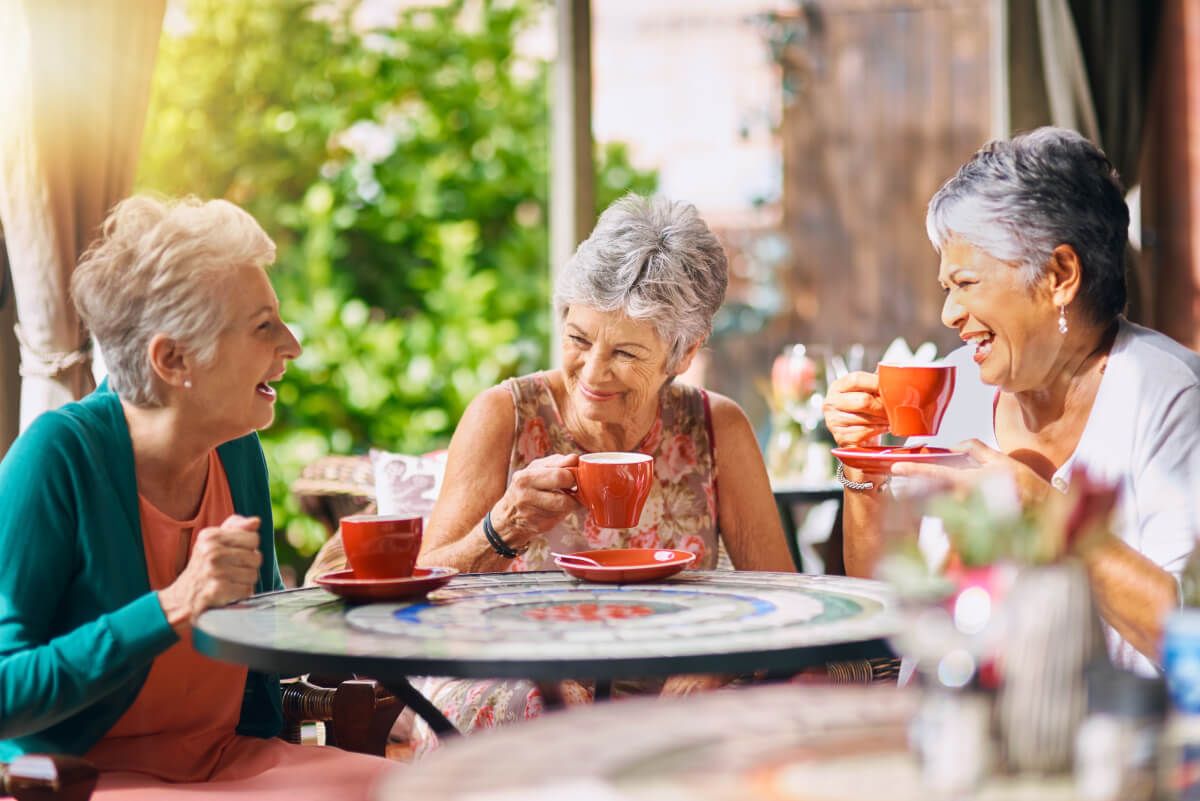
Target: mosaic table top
{"type": "Point", "coordinates": [545, 625]}
{"type": "Point", "coordinates": [771, 743]}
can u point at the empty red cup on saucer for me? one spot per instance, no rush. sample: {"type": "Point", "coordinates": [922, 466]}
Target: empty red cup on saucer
{"type": "Point", "coordinates": [381, 546]}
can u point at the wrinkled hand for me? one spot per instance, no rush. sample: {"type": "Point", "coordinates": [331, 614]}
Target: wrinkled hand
{"type": "Point", "coordinates": [854, 412]}
{"type": "Point", "coordinates": [690, 683]}
{"type": "Point", "coordinates": [222, 568]}
{"type": "Point", "coordinates": [536, 499]}
{"type": "Point", "coordinates": [1031, 488]}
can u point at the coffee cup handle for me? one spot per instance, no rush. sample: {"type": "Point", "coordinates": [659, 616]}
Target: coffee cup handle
{"type": "Point", "coordinates": [573, 491]}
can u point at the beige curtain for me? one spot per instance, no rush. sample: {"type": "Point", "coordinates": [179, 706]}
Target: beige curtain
{"type": "Point", "coordinates": [74, 87]}
{"type": "Point", "coordinates": [1083, 64]}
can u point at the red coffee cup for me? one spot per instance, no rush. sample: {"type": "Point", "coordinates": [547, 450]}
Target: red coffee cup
{"type": "Point", "coordinates": [915, 396]}
{"type": "Point", "coordinates": [614, 486]}
{"type": "Point", "coordinates": [381, 546]}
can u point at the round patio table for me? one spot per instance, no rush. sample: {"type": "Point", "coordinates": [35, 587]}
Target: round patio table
{"type": "Point", "coordinates": [546, 626]}
{"type": "Point", "coordinates": [772, 743]}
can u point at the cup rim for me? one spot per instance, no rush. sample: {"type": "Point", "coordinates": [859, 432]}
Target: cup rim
{"type": "Point", "coordinates": [633, 457]}
{"type": "Point", "coordinates": [938, 365]}
{"type": "Point", "coordinates": [361, 517]}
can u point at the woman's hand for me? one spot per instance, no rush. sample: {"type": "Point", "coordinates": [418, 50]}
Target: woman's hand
{"type": "Point", "coordinates": [1031, 488]}
{"type": "Point", "coordinates": [222, 568]}
{"type": "Point", "coordinates": [854, 411]}
{"type": "Point", "coordinates": [536, 499]}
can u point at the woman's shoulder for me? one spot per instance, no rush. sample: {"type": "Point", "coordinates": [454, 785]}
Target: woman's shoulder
{"type": "Point", "coordinates": [490, 410]}
{"type": "Point", "coordinates": [1152, 359]}
{"type": "Point", "coordinates": [95, 421]}
{"type": "Point", "coordinates": [71, 446]}
{"type": "Point", "coordinates": [531, 387]}
{"type": "Point", "coordinates": [723, 411]}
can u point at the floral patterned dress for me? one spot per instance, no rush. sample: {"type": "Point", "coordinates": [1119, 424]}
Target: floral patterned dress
{"type": "Point", "coordinates": [680, 513]}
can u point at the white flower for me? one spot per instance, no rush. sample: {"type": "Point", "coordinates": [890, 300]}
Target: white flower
{"type": "Point", "coordinates": [374, 15]}
{"type": "Point", "coordinates": [1000, 496]}
{"type": "Point", "coordinates": [176, 21]}
{"type": "Point", "coordinates": [369, 141]}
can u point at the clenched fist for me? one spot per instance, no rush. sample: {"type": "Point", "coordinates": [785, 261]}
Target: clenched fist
{"type": "Point", "coordinates": [222, 568]}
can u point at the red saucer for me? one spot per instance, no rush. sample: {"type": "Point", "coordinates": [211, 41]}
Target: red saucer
{"type": "Point", "coordinates": [627, 565]}
{"type": "Point", "coordinates": [877, 458]}
{"type": "Point", "coordinates": [422, 581]}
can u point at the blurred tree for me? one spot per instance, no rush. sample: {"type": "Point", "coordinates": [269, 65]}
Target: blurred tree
{"type": "Point", "coordinates": [398, 154]}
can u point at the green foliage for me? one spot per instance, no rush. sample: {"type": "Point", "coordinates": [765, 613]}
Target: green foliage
{"type": "Point", "coordinates": [403, 173]}
{"type": "Point", "coordinates": [990, 524]}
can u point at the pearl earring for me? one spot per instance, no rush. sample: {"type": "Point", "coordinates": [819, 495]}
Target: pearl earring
{"type": "Point", "coordinates": [187, 382]}
{"type": "Point", "coordinates": [1062, 319]}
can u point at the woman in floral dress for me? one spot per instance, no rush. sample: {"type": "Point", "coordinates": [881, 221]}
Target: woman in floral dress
{"type": "Point", "coordinates": [636, 303]}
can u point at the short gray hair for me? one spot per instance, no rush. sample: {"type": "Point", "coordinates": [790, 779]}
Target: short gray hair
{"type": "Point", "coordinates": [1018, 199]}
{"type": "Point", "coordinates": [157, 268]}
{"type": "Point", "coordinates": [652, 259]}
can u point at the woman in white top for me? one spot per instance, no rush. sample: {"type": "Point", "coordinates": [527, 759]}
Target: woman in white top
{"type": "Point", "coordinates": [1032, 234]}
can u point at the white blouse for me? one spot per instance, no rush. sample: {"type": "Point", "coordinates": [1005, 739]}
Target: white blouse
{"type": "Point", "coordinates": [1143, 433]}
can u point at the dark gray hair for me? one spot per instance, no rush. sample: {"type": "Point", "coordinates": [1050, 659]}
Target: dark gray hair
{"type": "Point", "coordinates": [1020, 198]}
{"type": "Point", "coordinates": [652, 259]}
{"type": "Point", "coordinates": [160, 267]}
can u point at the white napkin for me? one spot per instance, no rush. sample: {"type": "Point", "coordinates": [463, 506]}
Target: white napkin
{"type": "Point", "coordinates": [899, 353]}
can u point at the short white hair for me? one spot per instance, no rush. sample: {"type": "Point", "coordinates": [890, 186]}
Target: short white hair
{"type": "Point", "coordinates": [1018, 199]}
{"type": "Point", "coordinates": [157, 268]}
{"type": "Point", "coordinates": [652, 259]}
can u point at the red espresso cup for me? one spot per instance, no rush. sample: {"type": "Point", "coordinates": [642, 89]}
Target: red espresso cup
{"type": "Point", "coordinates": [915, 396]}
{"type": "Point", "coordinates": [614, 486]}
{"type": "Point", "coordinates": [381, 546]}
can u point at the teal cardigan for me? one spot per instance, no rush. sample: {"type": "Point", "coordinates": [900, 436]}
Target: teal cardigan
{"type": "Point", "coordinates": [79, 624]}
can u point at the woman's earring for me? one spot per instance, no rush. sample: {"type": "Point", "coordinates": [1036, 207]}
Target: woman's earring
{"type": "Point", "coordinates": [1062, 319]}
{"type": "Point", "coordinates": [187, 382]}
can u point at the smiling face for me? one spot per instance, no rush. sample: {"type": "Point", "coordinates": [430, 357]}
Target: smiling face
{"type": "Point", "coordinates": [1013, 326]}
{"type": "Point", "coordinates": [613, 367]}
{"type": "Point", "coordinates": [232, 394]}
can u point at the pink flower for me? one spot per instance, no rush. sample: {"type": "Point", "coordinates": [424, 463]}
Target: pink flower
{"type": "Point", "coordinates": [534, 704]}
{"type": "Point", "coordinates": [533, 441]}
{"type": "Point", "coordinates": [693, 544]}
{"type": "Point", "coordinates": [793, 375]}
{"type": "Point", "coordinates": [475, 693]}
{"type": "Point", "coordinates": [677, 460]}
{"type": "Point", "coordinates": [485, 718]}
{"type": "Point", "coordinates": [1091, 503]}
{"type": "Point", "coordinates": [646, 538]}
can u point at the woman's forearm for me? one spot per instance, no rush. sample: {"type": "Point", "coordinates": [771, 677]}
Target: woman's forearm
{"type": "Point", "coordinates": [470, 553]}
{"type": "Point", "coordinates": [1132, 594]}
{"type": "Point", "coordinates": [861, 540]}
{"type": "Point", "coordinates": [46, 684]}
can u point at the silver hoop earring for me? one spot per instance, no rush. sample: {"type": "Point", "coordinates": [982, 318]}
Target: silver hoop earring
{"type": "Point", "coordinates": [1062, 319]}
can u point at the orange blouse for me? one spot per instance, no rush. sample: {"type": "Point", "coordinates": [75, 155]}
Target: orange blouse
{"type": "Point", "coordinates": [181, 729]}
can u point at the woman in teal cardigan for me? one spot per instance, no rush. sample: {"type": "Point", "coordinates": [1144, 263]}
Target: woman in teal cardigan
{"type": "Point", "coordinates": [126, 515]}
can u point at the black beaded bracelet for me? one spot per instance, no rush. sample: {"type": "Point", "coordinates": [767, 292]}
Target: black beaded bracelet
{"type": "Point", "coordinates": [496, 541]}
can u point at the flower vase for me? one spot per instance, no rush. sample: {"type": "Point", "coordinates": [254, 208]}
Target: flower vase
{"type": "Point", "coordinates": [787, 448]}
{"type": "Point", "coordinates": [1053, 634]}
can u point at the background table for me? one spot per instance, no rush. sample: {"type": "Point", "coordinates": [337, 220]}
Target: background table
{"type": "Point", "coordinates": [776, 743]}
{"type": "Point", "coordinates": [547, 626]}
{"type": "Point", "coordinates": [788, 495]}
